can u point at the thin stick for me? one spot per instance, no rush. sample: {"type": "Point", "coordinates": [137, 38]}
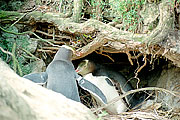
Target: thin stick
{"type": "Point", "coordinates": [7, 52]}
{"type": "Point", "coordinates": [18, 19]}
{"type": "Point", "coordinates": [32, 56]}
{"type": "Point", "coordinates": [129, 57]}
{"type": "Point", "coordinates": [19, 68]}
{"type": "Point", "coordinates": [15, 61]}
{"type": "Point", "coordinates": [28, 32]}
{"type": "Point", "coordinates": [14, 58]}
{"type": "Point", "coordinates": [105, 55]}
{"type": "Point", "coordinates": [28, 57]}
{"type": "Point", "coordinates": [51, 35]}
{"type": "Point", "coordinates": [137, 90]}
{"type": "Point", "coordinates": [145, 62]}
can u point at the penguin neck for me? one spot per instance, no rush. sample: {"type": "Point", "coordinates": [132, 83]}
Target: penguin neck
{"type": "Point", "coordinates": [98, 69]}
{"type": "Point", "coordinates": [92, 67]}
{"type": "Point", "coordinates": [63, 54]}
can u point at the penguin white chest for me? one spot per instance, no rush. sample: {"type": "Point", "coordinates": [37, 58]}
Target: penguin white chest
{"type": "Point", "coordinates": [103, 83]}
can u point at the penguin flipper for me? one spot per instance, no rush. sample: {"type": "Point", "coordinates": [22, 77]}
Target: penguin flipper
{"type": "Point", "coordinates": [39, 78]}
{"type": "Point", "coordinates": [93, 89]}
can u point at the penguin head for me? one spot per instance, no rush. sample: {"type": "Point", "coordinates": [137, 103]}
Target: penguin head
{"type": "Point", "coordinates": [68, 47]}
{"type": "Point", "coordinates": [64, 53]}
{"type": "Point", "coordinates": [85, 67]}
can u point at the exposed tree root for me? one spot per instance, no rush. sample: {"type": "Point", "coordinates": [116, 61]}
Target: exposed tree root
{"type": "Point", "coordinates": [111, 39]}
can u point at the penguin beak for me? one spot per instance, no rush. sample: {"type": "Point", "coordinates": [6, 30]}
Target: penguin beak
{"type": "Point", "coordinates": [77, 70]}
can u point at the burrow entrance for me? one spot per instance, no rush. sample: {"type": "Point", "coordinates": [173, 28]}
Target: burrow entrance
{"type": "Point", "coordinates": [148, 76]}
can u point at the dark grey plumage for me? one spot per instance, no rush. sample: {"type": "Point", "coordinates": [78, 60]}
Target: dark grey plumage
{"type": "Point", "coordinates": [87, 66]}
{"type": "Point", "coordinates": [61, 74]}
{"type": "Point", "coordinates": [61, 77]}
{"type": "Point", "coordinates": [37, 77]}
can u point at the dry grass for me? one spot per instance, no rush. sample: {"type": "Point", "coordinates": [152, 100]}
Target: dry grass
{"type": "Point", "coordinates": [145, 114]}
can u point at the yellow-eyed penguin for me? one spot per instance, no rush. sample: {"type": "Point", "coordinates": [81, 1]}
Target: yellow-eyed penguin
{"type": "Point", "coordinates": [61, 77]}
{"type": "Point", "coordinates": [87, 66]}
{"type": "Point", "coordinates": [106, 86]}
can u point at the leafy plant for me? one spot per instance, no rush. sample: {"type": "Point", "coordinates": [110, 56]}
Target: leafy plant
{"type": "Point", "coordinates": [15, 4]}
{"type": "Point", "coordinates": [14, 43]}
{"type": "Point", "coordinates": [125, 11]}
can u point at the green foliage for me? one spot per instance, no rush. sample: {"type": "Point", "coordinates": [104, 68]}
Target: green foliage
{"type": "Point", "coordinates": [101, 4]}
{"type": "Point", "coordinates": [127, 12]}
{"type": "Point", "coordinates": [15, 5]}
{"type": "Point", "coordinates": [12, 5]}
{"type": "Point", "coordinates": [14, 44]}
{"type": "Point", "coordinates": [26, 69]}
{"type": "Point", "coordinates": [6, 43]}
{"type": "Point", "coordinates": [8, 15]}
{"type": "Point", "coordinates": [3, 5]}
{"type": "Point", "coordinates": [123, 11]}
{"type": "Point", "coordinates": [174, 3]}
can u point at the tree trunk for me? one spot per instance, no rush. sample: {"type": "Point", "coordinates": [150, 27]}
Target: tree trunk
{"type": "Point", "coordinates": [77, 10]}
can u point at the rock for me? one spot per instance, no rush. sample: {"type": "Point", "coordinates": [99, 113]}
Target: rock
{"type": "Point", "coordinates": [8, 113]}
{"type": "Point", "coordinates": [25, 100]}
{"type": "Point", "coordinates": [170, 80]}
{"type": "Point", "coordinates": [36, 66]}
{"type": "Point", "coordinates": [32, 45]}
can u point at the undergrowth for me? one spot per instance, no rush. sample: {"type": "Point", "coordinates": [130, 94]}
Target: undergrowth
{"type": "Point", "coordinates": [14, 44]}
{"type": "Point", "coordinates": [125, 12]}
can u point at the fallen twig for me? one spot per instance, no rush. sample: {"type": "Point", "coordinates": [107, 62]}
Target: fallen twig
{"type": "Point", "coordinates": [32, 56]}
{"type": "Point", "coordinates": [137, 90]}
{"type": "Point", "coordinates": [53, 35]}
{"type": "Point", "coordinates": [50, 48]}
{"type": "Point", "coordinates": [19, 19]}
{"type": "Point", "coordinates": [15, 61]}
{"type": "Point", "coordinates": [6, 52]}
{"type": "Point", "coordinates": [50, 51]}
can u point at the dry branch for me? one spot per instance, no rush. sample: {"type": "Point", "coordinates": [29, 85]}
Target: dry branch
{"type": "Point", "coordinates": [51, 35]}
{"type": "Point", "coordinates": [177, 94]}
{"type": "Point", "coordinates": [112, 34]}
{"type": "Point", "coordinates": [139, 115]}
{"type": "Point", "coordinates": [117, 40]}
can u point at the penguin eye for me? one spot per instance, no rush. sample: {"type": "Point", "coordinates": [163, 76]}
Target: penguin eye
{"type": "Point", "coordinates": [109, 81]}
